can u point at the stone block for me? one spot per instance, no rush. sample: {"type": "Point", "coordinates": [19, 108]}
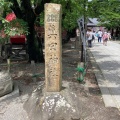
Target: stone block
{"type": "Point", "coordinates": [6, 83]}
{"type": "Point", "coordinates": [63, 105]}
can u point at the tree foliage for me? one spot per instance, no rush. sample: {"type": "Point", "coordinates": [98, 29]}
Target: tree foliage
{"type": "Point", "coordinates": [108, 11]}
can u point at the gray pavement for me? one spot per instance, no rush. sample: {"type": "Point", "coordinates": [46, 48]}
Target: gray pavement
{"type": "Point", "coordinates": [107, 71]}
{"type": "Point", "coordinates": [12, 108]}
{"type": "Point", "coordinates": [108, 76]}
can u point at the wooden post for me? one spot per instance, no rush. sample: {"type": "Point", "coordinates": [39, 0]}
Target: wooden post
{"type": "Point", "coordinates": [33, 70]}
{"type": "Point", "coordinates": [8, 63]}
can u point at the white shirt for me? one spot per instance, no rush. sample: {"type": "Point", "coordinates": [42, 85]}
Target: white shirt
{"type": "Point", "coordinates": [100, 33]}
{"type": "Point", "coordinates": [89, 34]}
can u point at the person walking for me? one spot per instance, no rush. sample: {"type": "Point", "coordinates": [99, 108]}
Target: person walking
{"type": "Point", "coordinates": [89, 37]}
{"type": "Point", "coordinates": [99, 35]}
{"type": "Point", "coordinates": [94, 36]}
{"type": "Point", "coordinates": [105, 38]}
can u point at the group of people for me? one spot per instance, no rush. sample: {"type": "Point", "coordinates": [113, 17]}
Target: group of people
{"type": "Point", "coordinates": [92, 35]}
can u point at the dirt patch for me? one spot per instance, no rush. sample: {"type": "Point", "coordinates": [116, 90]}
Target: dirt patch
{"type": "Point", "coordinates": [88, 90]}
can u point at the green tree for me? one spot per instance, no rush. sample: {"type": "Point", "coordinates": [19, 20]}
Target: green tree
{"type": "Point", "coordinates": [29, 10]}
{"type": "Point", "coordinates": [108, 11]}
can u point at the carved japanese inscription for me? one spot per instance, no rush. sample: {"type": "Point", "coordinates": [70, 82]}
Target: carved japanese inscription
{"type": "Point", "coordinates": [53, 58]}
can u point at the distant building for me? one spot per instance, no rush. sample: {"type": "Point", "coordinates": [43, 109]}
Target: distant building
{"type": "Point", "coordinates": [93, 24]}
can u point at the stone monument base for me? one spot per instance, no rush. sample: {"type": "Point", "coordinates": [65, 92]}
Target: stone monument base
{"type": "Point", "coordinates": [6, 83]}
{"type": "Point", "coordinates": [63, 105]}
{"type": "Point", "coordinates": [11, 95]}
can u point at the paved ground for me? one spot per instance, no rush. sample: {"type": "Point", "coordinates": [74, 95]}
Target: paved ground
{"type": "Point", "coordinates": [12, 109]}
{"type": "Point", "coordinates": [107, 57]}
{"type": "Point", "coordinates": [108, 60]}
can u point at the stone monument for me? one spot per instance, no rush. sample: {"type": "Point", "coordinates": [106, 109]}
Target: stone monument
{"type": "Point", "coordinates": [53, 58]}
{"type": "Point", "coordinates": [50, 101]}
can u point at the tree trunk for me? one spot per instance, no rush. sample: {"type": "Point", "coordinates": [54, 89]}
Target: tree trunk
{"type": "Point", "coordinates": [117, 32]}
{"type": "Point", "coordinates": [28, 14]}
{"type": "Point", "coordinates": [34, 47]}
{"type": "Point", "coordinates": [112, 32]}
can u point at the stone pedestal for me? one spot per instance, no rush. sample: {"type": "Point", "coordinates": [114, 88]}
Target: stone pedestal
{"type": "Point", "coordinates": [6, 84]}
{"type": "Point", "coordinates": [63, 105]}
{"type": "Point", "coordinates": [73, 41]}
{"type": "Point", "coordinates": [53, 57]}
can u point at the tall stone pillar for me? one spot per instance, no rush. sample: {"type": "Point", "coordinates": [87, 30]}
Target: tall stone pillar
{"type": "Point", "coordinates": [53, 57]}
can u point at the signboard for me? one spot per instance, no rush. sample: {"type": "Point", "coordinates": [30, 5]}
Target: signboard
{"type": "Point", "coordinates": [81, 27]}
{"type": "Point", "coordinates": [81, 24]}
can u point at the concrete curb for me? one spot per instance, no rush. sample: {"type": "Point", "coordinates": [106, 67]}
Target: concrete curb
{"type": "Point", "coordinates": [107, 98]}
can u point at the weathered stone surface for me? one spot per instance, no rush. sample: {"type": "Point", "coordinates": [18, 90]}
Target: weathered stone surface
{"type": "Point", "coordinates": [53, 57]}
{"type": "Point", "coordinates": [63, 105]}
{"type": "Point", "coordinates": [6, 84]}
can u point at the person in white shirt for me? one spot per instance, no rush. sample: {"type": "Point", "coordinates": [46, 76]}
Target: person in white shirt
{"type": "Point", "coordinates": [89, 37]}
{"type": "Point", "coordinates": [99, 35]}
